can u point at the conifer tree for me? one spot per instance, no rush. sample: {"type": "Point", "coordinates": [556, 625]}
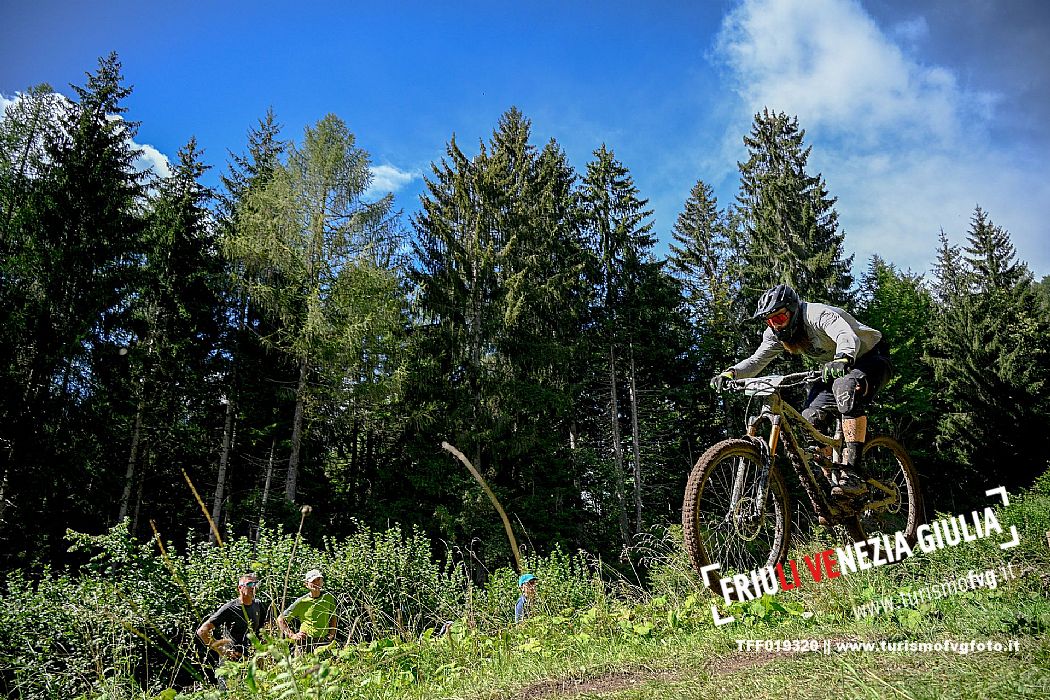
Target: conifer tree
{"type": "Point", "coordinates": [704, 260]}
{"type": "Point", "coordinates": [638, 337]}
{"type": "Point", "coordinates": [76, 235]}
{"type": "Point", "coordinates": [27, 127]}
{"type": "Point", "coordinates": [458, 251]}
{"type": "Point", "coordinates": [1042, 293]}
{"type": "Point", "coordinates": [790, 226]}
{"type": "Point", "coordinates": [902, 308]}
{"type": "Point", "coordinates": [325, 245]}
{"type": "Point", "coordinates": [989, 354]}
{"type": "Point", "coordinates": [546, 305]}
{"type": "Point", "coordinates": [501, 297]}
{"type": "Point", "coordinates": [254, 376]}
{"type": "Point", "coordinates": [252, 170]}
{"type": "Point", "coordinates": [700, 253]}
{"type": "Point", "coordinates": [178, 311]}
{"type": "Point", "coordinates": [951, 281]}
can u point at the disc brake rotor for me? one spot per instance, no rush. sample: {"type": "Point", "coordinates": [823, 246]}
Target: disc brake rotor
{"type": "Point", "coordinates": [745, 522]}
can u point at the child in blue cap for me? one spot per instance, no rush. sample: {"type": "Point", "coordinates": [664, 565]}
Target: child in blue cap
{"type": "Point", "coordinates": [527, 583]}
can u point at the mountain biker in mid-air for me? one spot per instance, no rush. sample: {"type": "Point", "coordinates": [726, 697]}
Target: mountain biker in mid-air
{"type": "Point", "coordinates": [856, 365]}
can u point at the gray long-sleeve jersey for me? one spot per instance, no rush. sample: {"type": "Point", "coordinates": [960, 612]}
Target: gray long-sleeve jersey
{"type": "Point", "coordinates": [831, 332]}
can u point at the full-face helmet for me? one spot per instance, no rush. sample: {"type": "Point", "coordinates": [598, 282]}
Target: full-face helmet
{"type": "Point", "coordinates": [779, 308]}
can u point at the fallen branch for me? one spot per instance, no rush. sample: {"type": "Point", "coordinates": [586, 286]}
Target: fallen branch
{"type": "Point", "coordinates": [492, 497]}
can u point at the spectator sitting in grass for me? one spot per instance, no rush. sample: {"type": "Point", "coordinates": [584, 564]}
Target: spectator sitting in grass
{"type": "Point", "coordinates": [527, 583]}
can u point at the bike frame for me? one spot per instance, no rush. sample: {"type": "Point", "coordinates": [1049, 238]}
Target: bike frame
{"type": "Point", "coordinates": [784, 420]}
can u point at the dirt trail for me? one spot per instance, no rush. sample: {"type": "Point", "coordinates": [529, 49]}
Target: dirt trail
{"type": "Point", "coordinates": [615, 681]}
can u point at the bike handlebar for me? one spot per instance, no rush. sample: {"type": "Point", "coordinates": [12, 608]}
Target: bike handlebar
{"type": "Point", "coordinates": [779, 381]}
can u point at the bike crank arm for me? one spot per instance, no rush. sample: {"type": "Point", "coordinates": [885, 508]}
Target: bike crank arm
{"type": "Point", "coordinates": [879, 505]}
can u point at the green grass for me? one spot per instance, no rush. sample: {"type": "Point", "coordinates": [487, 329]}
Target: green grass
{"type": "Point", "coordinates": [588, 640]}
{"type": "Point", "coordinates": [542, 661]}
{"type": "Point", "coordinates": [664, 644]}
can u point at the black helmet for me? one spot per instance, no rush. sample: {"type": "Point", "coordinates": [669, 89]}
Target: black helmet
{"type": "Point", "coordinates": [780, 297]}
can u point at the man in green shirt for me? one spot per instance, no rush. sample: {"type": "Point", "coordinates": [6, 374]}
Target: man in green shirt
{"type": "Point", "coordinates": [315, 612]}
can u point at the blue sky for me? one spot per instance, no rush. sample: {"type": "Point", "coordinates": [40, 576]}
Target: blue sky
{"type": "Point", "coordinates": [917, 110]}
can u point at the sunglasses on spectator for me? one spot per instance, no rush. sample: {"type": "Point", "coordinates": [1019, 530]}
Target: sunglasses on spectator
{"type": "Point", "coordinates": [250, 584]}
{"type": "Point", "coordinates": [779, 318]}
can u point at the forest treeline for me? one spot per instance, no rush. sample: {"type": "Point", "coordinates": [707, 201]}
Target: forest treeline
{"type": "Point", "coordinates": [289, 339]}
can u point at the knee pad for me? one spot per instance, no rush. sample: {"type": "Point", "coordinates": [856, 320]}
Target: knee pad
{"type": "Point", "coordinates": [847, 391]}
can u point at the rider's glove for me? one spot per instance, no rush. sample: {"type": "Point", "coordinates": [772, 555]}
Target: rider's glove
{"type": "Point", "coordinates": [719, 380]}
{"type": "Point", "coordinates": [835, 369]}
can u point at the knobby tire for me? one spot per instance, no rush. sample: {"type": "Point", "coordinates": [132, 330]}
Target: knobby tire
{"type": "Point", "coordinates": [886, 460]}
{"type": "Point", "coordinates": [712, 534]}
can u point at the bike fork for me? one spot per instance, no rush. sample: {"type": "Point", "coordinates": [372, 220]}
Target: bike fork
{"type": "Point", "coordinates": [762, 481]}
{"type": "Point", "coordinates": [763, 475]}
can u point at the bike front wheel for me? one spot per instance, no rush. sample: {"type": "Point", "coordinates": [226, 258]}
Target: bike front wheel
{"type": "Point", "coordinates": [893, 502]}
{"type": "Point", "coordinates": [726, 521]}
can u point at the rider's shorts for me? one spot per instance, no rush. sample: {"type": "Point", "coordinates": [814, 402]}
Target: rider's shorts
{"type": "Point", "coordinates": [850, 395]}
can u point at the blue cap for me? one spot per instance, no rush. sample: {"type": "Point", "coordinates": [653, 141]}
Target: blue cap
{"type": "Point", "coordinates": [525, 578]}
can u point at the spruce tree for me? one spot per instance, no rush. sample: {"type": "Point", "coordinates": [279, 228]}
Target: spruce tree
{"type": "Point", "coordinates": [27, 127]}
{"type": "Point", "coordinates": [178, 310]}
{"type": "Point", "coordinates": [638, 335]}
{"type": "Point", "coordinates": [704, 260]}
{"type": "Point", "coordinates": [255, 376]}
{"type": "Point", "coordinates": [990, 359]}
{"type": "Point", "coordinates": [790, 226]}
{"type": "Point", "coordinates": [76, 235]}
{"type": "Point", "coordinates": [701, 251]}
{"type": "Point", "coordinates": [501, 298]}
{"type": "Point", "coordinates": [899, 304]}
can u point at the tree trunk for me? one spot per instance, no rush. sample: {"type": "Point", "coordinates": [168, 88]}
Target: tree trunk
{"type": "Point", "coordinates": [355, 457]}
{"type": "Point", "coordinates": [227, 428]}
{"type": "Point", "coordinates": [3, 481]}
{"type": "Point", "coordinates": [138, 505]}
{"type": "Point", "coordinates": [224, 458]}
{"type": "Point", "coordinates": [618, 472]}
{"type": "Point", "coordinates": [266, 486]}
{"type": "Point", "coordinates": [637, 449]}
{"type": "Point", "coordinates": [297, 433]}
{"type": "Point", "coordinates": [129, 475]}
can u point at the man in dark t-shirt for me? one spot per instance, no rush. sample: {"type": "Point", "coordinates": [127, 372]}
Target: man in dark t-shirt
{"type": "Point", "coordinates": [235, 620]}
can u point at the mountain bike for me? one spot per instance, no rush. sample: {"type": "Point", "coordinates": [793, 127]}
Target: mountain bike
{"type": "Point", "coordinates": [737, 509]}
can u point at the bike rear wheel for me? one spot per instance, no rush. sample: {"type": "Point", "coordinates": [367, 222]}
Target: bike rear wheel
{"type": "Point", "coordinates": [896, 504]}
{"type": "Point", "coordinates": [722, 521]}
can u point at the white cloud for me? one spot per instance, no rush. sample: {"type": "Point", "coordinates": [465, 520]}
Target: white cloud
{"type": "Point", "coordinates": [151, 160]}
{"type": "Point", "coordinates": [903, 145]}
{"type": "Point", "coordinates": [387, 178]}
{"type": "Point", "coordinates": [56, 104]}
{"type": "Point", "coordinates": [912, 30]}
{"type": "Point", "coordinates": [829, 63]}
{"type": "Point", "coordinates": [894, 205]}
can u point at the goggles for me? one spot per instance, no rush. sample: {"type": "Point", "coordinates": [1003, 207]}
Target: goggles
{"type": "Point", "coordinates": [778, 319]}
